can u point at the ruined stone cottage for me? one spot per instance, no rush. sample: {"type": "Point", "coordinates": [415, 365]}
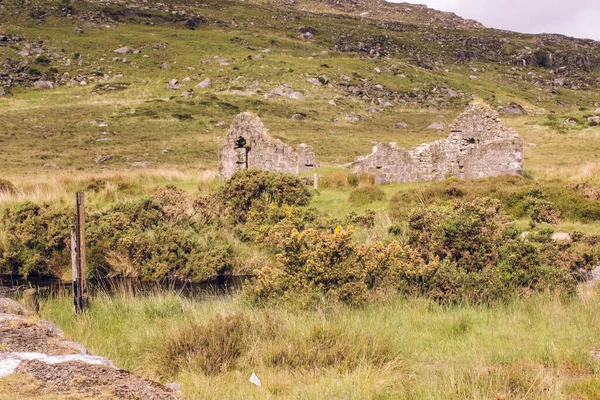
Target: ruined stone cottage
{"type": "Point", "coordinates": [248, 145]}
{"type": "Point", "coordinates": [478, 146]}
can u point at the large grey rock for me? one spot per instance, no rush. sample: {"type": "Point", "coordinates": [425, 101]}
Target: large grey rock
{"type": "Point", "coordinates": [101, 159]}
{"type": "Point", "coordinates": [124, 50]}
{"type": "Point", "coordinates": [43, 85]}
{"type": "Point", "coordinates": [513, 109]}
{"type": "Point", "coordinates": [204, 84]}
{"type": "Point", "coordinates": [8, 306]}
{"type": "Point", "coordinates": [440, 126]}
{"type": "Point", "coordinates": [594, 119]}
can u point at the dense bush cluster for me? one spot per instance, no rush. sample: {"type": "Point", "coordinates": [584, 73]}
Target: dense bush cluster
{"type": "Point", "coordinates": [169, 235]}
{"type": "Point", "coordinates": [466, 251]}
{"type": "Point", "coordinates": [461, 248]}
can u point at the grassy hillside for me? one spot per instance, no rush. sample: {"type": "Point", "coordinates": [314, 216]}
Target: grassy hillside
{"type": "Point", "coordinates": [249, 49]}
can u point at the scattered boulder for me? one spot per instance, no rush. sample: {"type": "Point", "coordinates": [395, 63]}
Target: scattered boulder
{"type": "Point", "coordinates": [332, 103]}
{"type": "Point", "coordinates": [165, 66]}
{"type": "Point", "coordinates": [102, 159]}
{"type": "Point", "coordinates": [187, 93]}
{"type": "Point", "coordinates": [513, 109]}
{"type": "Point", "coordinates": [597, 110]}
{"type": "Point", "coordinates": [4, 92]}
{"type": "Point", "coordinates": [308, 29]}
{"type": "Point", "coordinates": [440, 126]}
{"type": "Point", "coordinates": [79, 30]}
{"type": "Point", "coordinates": [594, 119]}
{"type": "Point", "coordinates": [43, 85]}
{"type": "Point", "coordinates": [353, 117]}
{"type": "Point", "coordinates": [204, 84]}
{"type": "Point", "coordinates": [296, 96]}
{"type": "Point", "coordinates": [401, 125]}
{"type": "Point", "coordinates": [174, 85]}
{"type": "Point", "coordinates": [571, 121]}
{"type": "Point", "coordinates": [299, 117]}
{"type": "Point", "coordinates": [124, 50]}
{"type": "Point", "coordinates": [385, 103]}
{"type": "Point", "coordinates": [374, 109]}
{"type": "Point", "coordinates": [8, 306]}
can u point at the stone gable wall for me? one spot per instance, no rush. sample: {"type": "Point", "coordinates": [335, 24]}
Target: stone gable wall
{"type": "Point", "coordinates": [478, 146]}
{"type": "Point", "coordinates": [263, 152]}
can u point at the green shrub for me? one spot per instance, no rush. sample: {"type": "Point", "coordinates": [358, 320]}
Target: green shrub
{"type": "Point", "coordinates": [314, 263]}
{"type": "Point", "coordinates": [213, 347]}
{"type": "Point", "coordinates": [366, 195]}
{"type": "Point", "coordinates": [38, 240]}
{"type": "Point", "coordinates": [253, 189]}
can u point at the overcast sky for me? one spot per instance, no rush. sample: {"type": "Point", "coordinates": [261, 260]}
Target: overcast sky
{"type": "Point", "coordinates": [578, 18]}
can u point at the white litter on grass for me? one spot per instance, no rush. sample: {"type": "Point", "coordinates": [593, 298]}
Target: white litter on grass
{"type": "Point", "coordinates": [10, 361]}
{"type": "Point", "coordinates": [254, 379]}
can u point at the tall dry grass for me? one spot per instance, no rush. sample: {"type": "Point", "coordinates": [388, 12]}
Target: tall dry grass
{"type": "Point", "coordinates": [61, 187]}
{"type": "Point", "coordinates": [541, 347]}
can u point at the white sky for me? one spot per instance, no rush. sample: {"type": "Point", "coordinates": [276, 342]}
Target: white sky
{"type": "Point", "coordinates": [577, 18]}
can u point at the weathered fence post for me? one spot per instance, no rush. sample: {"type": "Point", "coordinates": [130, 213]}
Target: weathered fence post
{"type": "Point", "coordinates": [316, 182]}
{"type": "Point", "coordinates": [78, 259]}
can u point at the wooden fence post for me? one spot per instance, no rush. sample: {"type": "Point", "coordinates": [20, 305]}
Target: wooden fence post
{"type": "Point", "coordinates": [78, 259]}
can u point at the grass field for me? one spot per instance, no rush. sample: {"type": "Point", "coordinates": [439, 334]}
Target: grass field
{"type": "Point", "coordinates": [541, 347]}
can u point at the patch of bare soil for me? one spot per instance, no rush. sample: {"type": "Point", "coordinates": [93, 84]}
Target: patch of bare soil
{"type": "Point", "coordinates": [92, 381]}
{"type": "Point", "coordinates": [21, 335]}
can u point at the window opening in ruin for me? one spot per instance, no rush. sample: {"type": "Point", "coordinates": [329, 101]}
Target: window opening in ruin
{"type": "Point", "coordinates": [379, 167]}
{"type": "Point", "coordinates": [241, 144]}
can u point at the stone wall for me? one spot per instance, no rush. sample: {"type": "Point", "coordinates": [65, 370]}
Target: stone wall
{"type": "Point", "coordinates": [248, 145]}
{"type": "Point", "coordinates": [478, 146]}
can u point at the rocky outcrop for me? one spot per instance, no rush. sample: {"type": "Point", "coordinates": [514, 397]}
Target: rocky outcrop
{"type": "Point", "coordinates": [248, 145]}
{"type": "Point", "coordinates": [38, 350]}
{"type": "Point", "coordinates": [478, 146]}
